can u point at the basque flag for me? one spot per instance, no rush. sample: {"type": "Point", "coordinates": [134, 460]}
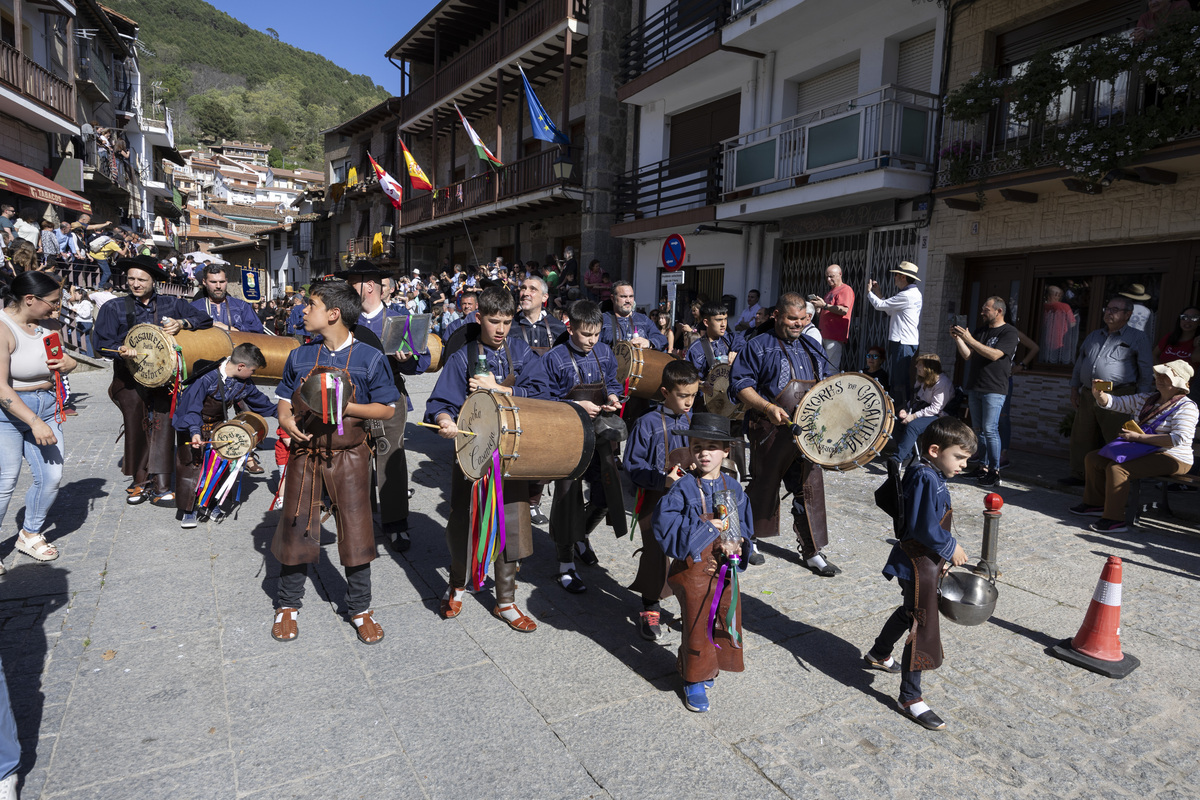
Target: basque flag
{"type": "Point", "coordinates": [543, 126]}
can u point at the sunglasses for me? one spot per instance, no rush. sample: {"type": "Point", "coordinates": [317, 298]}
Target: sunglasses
{"type": "Point", "coordinates": [1188, 318]}
{"type": "Point", "coordinates": [874, 357]}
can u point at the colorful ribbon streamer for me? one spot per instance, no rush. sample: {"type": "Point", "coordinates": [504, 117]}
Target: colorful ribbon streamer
{"type": "Point", "coordinates": [728, 568]}
{"type": "Point", "coordinates": [487, 537]}
{"type": "Point", "coordinates": [637, 511]}
{"type": "Point", "coordinates": [180, 377]}
{"type": "Point", "coordinates": [60, 398]}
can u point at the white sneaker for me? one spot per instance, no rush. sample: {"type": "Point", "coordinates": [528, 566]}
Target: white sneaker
{"type": "Point", "coordinates": [8, 788]}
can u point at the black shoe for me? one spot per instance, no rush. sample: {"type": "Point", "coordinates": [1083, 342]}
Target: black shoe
{"type": "Point", "coordinates": [756, 558]}
{"type": "Point", "coordinates": [927, 720]}
{"type": "Point", "coordinates": [648, 625]}
{"type": "Point", "coordinates": [570, 581]}
{"type": "Point", "coordinates": [827, 571]}
{"type": "Point", "coordinates": [1084, 510]}
{"type": "Point", "coordinates": [879, 665]}
{"type": "Point", "coordinates": [587, 555]}
{"type": "Point", "coordinates": [1071, 480]}
{"type": "Point", "coordinates": [976, 473]}
{"type": "Point", "coordinates": [536, 516]}
{"type": "Point", "coordinates": [992, 478]}
{"type": "Point", "coordinates": [398, 533]}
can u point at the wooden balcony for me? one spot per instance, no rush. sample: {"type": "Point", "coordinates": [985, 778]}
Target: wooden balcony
{"type": "Point", "coordinates": [531, 174]}
{"type": "Point", "coordinates": [518, 30]}
{"type": "Point", "coordinates": [36, 82]}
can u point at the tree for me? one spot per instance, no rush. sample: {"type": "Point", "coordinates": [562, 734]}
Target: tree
{"type": "Point", "coordinates": [274, 33]}
{"type": "Point", "coordinates": [275, 158]}
{"type": "Point", "coordinates": [213, 118]}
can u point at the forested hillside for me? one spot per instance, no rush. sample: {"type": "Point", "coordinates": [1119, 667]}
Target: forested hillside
{"type": "Point", "coordinates": [223, 79]}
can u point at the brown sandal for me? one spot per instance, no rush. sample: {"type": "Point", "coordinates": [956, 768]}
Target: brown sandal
{"type": "Point", "coordinates": [450, 608]}
{"type": "Point", "coordinates": [522, 623]}
{"type": "Point", "coordinates": [285, 628]}
{"type": "Point", "coordinates": [369, 631]}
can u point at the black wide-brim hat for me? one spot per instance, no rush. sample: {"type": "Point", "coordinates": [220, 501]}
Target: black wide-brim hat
{"type": "Point", "coordinates": [713, 427]}
{"type": "Point", "coordinates": [366, 271]}
{"type": "Point", "coordinates": [148, 264]}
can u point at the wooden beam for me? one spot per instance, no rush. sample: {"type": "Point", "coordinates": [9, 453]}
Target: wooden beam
{"type": "Point", "coordinates": [1154, 177]}
{"type": "Point", "coordinates": [1017, 196]}
{"type": "Point", "coordinates": [961, 204]}
{"type": "Point", "coordinates": [1083, 187]}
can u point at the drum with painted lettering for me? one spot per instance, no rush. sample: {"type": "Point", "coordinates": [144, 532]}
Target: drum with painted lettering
{"type": "Point", "coordinates": [160, 355]}
{"type": "Point", "coordinates": [239, 436]}
{"type": "Point", "coordinates": [844, 421]}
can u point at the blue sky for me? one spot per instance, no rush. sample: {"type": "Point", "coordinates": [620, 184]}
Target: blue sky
{"type": "Point", "coordinates": [353, 34]}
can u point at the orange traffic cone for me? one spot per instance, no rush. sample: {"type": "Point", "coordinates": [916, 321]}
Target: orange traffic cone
{"type": "Point", "coordinates": [1097, 646]}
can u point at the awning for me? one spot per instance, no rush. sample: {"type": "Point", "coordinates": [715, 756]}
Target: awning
{"type": "Point", "coordinates": [171, 154]}
{"type": "Point", "coordinates": [23, 180]}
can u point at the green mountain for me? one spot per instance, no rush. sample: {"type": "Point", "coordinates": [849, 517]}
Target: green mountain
{"type": "Point", "coordinates": [225, 80]}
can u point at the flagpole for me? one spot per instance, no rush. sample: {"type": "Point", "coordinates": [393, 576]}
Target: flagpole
{"type": "Point", "coordinates": [469, 242]}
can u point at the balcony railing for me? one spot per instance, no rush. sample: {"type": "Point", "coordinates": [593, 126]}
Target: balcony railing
{"type": "Point", "coordinates": [669, 32]}
{"type": "Point", "coordinates": [683, 182]}
{"type": "Point", "coordinates": [530, 174]}
{"type": "Point", "coordinates": [742, 6]}
{"type": "Point", "coordinates": [91, 70]}
{"type": "Point", "coordinates": [1000, 144]}
{"type": "Point", "coordinates": [481, 59]}
{"type": "Point", "coordinates": [101, 161]}
{"type": "Point", "coordinates": [887, 127]}
{"type": "Point", "coordinates": [36, 82]}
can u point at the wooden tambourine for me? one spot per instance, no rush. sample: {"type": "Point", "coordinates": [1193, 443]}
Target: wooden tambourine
{"type": "Point", "coordinates": [239, 436]}
{"type": "Point", "coordinates": [844, 421]}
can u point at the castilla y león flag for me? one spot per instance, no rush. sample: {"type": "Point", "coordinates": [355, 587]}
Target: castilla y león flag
{"type": "Point", "coordinates": [386, 182]}
{"type": "Point", "coordinates": [415, 174]}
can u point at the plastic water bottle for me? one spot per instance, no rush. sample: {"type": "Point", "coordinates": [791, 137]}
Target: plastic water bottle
{"type": "Point", "coordinates": [481, 365]}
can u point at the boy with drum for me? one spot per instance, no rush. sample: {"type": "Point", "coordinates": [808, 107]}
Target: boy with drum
{"type": "Point", "coordinates": [717, 348]}
{"type": "Point", "coordinates": [491, 362]}
{"type": "Point", "coordinates": [703, 524]}
{"type": "Point", "coordinates": [655, 459]}
{"type": "Point", "coordinates": [205, 403]}
{"type": "Point", "coordinates": [583, 371]}
{"type": "Point", "coordinates": [329, 453]}
{"type": "Point", "coordinates": [925, 550]}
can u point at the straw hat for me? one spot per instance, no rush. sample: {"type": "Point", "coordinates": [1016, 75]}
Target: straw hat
{"type": "Point", "coordinates": [1179, 371]}
{"type": "Point", "coordinates": [1136, 291]}
{"type": "Point", "coordinates": [907, 269]}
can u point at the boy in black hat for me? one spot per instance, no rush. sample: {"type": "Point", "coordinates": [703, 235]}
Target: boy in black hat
{"type": "Point", "coordinates": [704, 524]}
{"type": "Point", "coordinates": [149, 438]}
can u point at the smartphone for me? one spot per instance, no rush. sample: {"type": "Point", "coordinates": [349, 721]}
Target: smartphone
{"type": "Point", "coordinates": [53, 345]}
{"type": "Point", "coordinates": [1104, 386]}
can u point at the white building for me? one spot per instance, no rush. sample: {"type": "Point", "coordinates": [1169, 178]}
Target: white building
{"type": "Point", "coordinates": [778, 137]}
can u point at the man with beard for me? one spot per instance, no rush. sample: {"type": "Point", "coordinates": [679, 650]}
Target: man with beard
{"type": "Point", "coordinates": [626, 325]}
{"type": "Point", "coordinates": [772, 373]}
{"type": "Point", "coordinates": [227, 312]}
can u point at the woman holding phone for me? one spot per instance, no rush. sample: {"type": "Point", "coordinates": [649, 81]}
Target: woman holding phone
{"type": "Point", "coordinates": [30, 426]}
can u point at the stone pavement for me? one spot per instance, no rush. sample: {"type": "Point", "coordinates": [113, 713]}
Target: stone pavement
{"type": "Point", "coordinates": [141, 664]}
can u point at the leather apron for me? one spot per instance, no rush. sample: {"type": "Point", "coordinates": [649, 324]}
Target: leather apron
{"type": "Point", "coordinates": [149, 437]}
{"type": "Point", "coordinates": [188, 459]}
{"type": "Point", "coordinates": [693, 583]}
{"type": "Point", "coordinates": [339, 464]}
{"type": "Point", "coordinates": [567, 516]}
{"type": "Point", "coordinates": [772, 452]}
{"type": "Point", "coordinates": [925, 636]}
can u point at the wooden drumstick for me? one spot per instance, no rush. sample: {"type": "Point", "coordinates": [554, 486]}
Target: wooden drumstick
{"type": "Point", "coordinates": [439, 427]}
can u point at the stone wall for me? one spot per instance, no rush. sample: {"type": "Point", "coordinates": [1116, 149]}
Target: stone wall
{"type": "Point", "coordinates": [21, 144]}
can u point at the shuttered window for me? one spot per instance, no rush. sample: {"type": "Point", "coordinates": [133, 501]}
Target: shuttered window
{"type": "Point", "coordinates": [915, 68]}
{"type": "Point", "coordinates": [1075, 24]}
{"type": "Point", "coordinates": [827, 89]}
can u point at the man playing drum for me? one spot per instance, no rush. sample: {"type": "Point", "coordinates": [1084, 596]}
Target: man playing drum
{"type": "Point", "coordinates": [540, 330]}
{"type": "Point", "coordinates": [227, 312]}
{"type": "Point", "coordinates": [583, 371]}
{"type": "Point", "coordinates": [146, 412]}
{"type": "Point", "coordinates": [624, 324]}
{"type": "Point", "coordinates": [492, 362]}
{"type": "Point", "coordinates": [782, 364]}
{"type": "Point", "coordinates": [391, 469]}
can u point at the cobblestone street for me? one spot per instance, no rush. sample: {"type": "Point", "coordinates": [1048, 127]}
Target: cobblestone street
{"type": "Point", "coordinates": [141, 663]}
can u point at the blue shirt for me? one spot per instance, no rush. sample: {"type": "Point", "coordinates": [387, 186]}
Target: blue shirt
{"type": "Point", "coordinates": [564, 367]}
{"type": "Point", "coordinates": [411, 366]}
{"type": "Point", "coordinates": [926, 501]}
{"type": "Point", "coordinates": [111, 324]}
{"type": "Point", "coordinates": [677, 523]}
{"type": "Point", "coordinates": [451, 389]}
{"type": "Point", "coordinates": [295, 320]}
{"type": "Point", "coordinates": [368, 368]}
{"type": "Point", "coordinates": [535, 334]}
{"type": "Point", "coordinates": [227, 390]}
{"type": "Point", "coordinates": [636, 324]}
{"type": "Point", "coordinates": [763, 364]}
{"type": "Point", "coordinates": [458, 323]}
{"type": "Point", "coordinates": [1121, 357]}
{"type": "Point", "coordinates": [66, 243]}
{"type": "Point", "coordinates": [648, 446]}
{"type": "Point", "coordinates": [730, 342]}
{"type": "Point", "coordinates": [237, 314]}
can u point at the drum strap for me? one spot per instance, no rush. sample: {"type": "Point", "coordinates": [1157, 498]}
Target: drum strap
{"type": "Point", "coordinates": [473, 347]}
{"type": "Point", "coordinates": [618, 334]}
{"type": "Point", "coordinates": [579, 381]}
{"type": "Point", "coordinates": [710, 358]}
{"type": "Point", "coordinates": [131, 304]}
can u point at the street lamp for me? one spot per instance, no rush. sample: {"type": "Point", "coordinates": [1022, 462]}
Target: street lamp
{"type": "Point", "coordinates": [386, 230]}
{"type": "Point", "coordinates": [563, 166]}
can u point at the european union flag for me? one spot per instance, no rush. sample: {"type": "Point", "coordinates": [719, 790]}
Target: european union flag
{"type": "Point", "coordinates": [543, 126]}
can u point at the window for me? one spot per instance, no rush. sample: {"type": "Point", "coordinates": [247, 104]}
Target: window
{"type": "Point", "coordinates": [275, 241]}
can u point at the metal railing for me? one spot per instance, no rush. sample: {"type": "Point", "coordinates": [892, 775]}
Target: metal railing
{"type": "Point", "coordinates": [36, 82]}
{"type": "Point", "coordinates": [91, 69]}
{"type": "Point", "coordinates": [102, 161]}
{"type": "Point", "coordinates": [668, 33]}
{"type": "Point", "coordinates": [1000, 143]}
{"type": "Point", "coordinates": [530, 174]}
{"type": "Point", "coordinates": [482, 57]}
{"type": "Point", "coordinates": [887, 127]}
{"type": "Point", "coordinates": [683, 182]}
{"type": "Point", "coordinates": [742, 6]}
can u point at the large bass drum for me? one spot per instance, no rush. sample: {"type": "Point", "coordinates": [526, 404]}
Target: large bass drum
{"type": "Point", "coordinates": [157, 357]}
{"type": "Point", "coordinates": [844, 421]}
{"type": "Point", "coordinates": [537, 439]}
{"type": "Point", "coordinates": [642, 367]}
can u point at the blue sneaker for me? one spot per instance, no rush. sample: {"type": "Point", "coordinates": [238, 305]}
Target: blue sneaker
{"type": "Point", "coordinates": [695, 697]}
{"type": "Point", "coordinates": [708, 684]}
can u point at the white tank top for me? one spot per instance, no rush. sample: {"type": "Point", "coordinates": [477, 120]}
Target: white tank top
{"type": "Point", "coordinates": [27, 365]}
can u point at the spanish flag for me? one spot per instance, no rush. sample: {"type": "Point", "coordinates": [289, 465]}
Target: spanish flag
{"type": "Point", "coordinates": [415, 173]}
